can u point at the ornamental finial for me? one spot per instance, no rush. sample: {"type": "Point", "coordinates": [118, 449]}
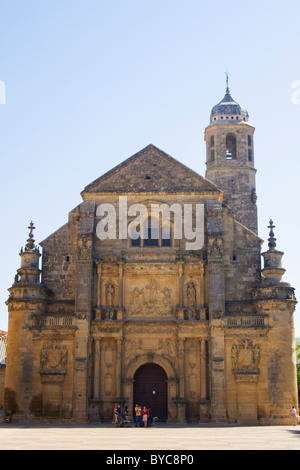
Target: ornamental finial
{"type": "Point", "coordinates": [272, 239]}
{"type": "Point", "coordinates": [30, 246]}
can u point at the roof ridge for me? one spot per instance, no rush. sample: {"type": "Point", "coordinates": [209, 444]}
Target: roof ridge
{"type": "Point", "coordinates": [155, 151]}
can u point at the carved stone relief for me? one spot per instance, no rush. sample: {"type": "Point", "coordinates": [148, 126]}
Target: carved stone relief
{"type": "Point", "coordinates": [53, 359]}
{"type": "Point", "coordinates": [151, 300]}
{"type": "Point", "coordinates": [84, 249]}
{"type": "Point", "coordinates": [215, 247]}
{"type": "Point", "coordinates": [245, 356]}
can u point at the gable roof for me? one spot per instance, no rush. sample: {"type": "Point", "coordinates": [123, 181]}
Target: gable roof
{"type": "Point", "coordinates": [150, 170]}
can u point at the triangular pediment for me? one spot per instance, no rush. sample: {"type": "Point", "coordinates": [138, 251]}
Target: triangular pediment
{"type": "Point", "coordinates": [150, 170]}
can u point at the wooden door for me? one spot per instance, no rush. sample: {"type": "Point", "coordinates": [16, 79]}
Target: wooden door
{"type": "Point", "coordinates": [151, 390]}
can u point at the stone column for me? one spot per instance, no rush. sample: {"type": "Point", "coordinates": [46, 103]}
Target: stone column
{"type": "Point", "coordinates": [180, 287]}
{"type": "Point", "coordinates": [201, 297]}
{"type": "Point", "coordinates": [121, 291]}
{"type": "Point", "coordinates": [119, 343]}
{"type": "Point", "coordinates": [203, 370]}
{"type": "Point", "coordinates": [181, 400]}
{"type": "Point", "coordinates": [97, 345]}
{"type": "Point", "coordinates": [99, 274]}
{"type": "Point", "coordinates": [204, 402]}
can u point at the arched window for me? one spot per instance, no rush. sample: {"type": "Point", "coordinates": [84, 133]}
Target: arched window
{"type": "Point", "coordinates": [212, 141]}
{"type": "Point", "coordinates": [230, 147]}
{"type": "Point", "coordinates": [155, 234]}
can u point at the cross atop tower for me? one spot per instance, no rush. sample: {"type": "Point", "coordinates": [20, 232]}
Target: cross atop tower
{"type": "Point", "coordinates": [227, 79]}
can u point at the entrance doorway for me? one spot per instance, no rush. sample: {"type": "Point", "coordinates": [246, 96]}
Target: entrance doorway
{"type": "Point", "coordinates": [151, 390]}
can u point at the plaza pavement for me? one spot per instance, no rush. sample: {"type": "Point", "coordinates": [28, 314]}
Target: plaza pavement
{"type": "Point", "coordinates": [161, 437]}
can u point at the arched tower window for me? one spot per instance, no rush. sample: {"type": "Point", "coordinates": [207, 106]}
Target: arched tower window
{"type": "Point", "coordinates": [212, 141]}
{"type": "Point", "coordinates": [230, 147]}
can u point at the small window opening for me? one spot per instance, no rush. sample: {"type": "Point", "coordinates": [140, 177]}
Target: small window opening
{"type": "Point", "coordinates": [230, 147]}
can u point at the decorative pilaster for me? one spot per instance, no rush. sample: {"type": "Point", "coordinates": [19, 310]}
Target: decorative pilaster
{"type": "Point", "coordinates": [97, 352]}
{"type": "Point", "coordinates": [83, 306]}
{"type": "Point", "coordinates": [181, 400]}
{"type": "Point", "coordinates": [216, 316]}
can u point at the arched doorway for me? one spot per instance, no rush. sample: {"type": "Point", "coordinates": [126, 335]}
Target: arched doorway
{"type": "Point", "coordinates": [151, 389]}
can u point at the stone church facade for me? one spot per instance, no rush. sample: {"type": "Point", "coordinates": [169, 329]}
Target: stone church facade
{"type": "Point", "coordinates": [153, 293]}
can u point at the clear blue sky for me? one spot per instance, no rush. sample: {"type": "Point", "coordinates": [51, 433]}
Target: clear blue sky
{"type": "Point", "coordinates": [89, 83]}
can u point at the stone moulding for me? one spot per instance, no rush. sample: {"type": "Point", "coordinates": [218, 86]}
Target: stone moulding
{"type": "Point", "coordinates": [250, 376]}
{"type": "Point", "coordinates": [53, 376]}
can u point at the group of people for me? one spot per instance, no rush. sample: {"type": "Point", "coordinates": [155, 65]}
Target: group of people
{"type": "Point", "coordinates": [121, 419]}
{"type": "Point", "coordinates": [143, 417]}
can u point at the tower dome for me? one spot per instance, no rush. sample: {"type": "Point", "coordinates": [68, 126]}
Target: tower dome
{"type": "Point", "coordinates": [228, 108]}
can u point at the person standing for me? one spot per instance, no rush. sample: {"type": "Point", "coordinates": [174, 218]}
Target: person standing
{"type": "Point", "coordinates": [117, 416]}
{"type": "Point", "coordinates": [294, 416]}
{"type": "Point", "coordinates": [138, 415]}
{"type": "Point", "coordinates": [145, 416]}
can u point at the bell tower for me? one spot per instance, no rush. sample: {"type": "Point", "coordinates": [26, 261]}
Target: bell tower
{"type": "Point", "coordinates": [230, 158]}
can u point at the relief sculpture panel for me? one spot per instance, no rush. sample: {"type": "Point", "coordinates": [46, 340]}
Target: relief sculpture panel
{"type": "Point", "coordinates": [150, 298]}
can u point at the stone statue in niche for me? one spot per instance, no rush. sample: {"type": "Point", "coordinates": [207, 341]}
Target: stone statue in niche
{"type": "Point", "coordinates": [110, 294]}
{"type": "Point", "coordinates": [191, 301]}
{"type": "Point", "coordinates": [109, 301]}
{"type": "Point", "coordinates": [191, 295]}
